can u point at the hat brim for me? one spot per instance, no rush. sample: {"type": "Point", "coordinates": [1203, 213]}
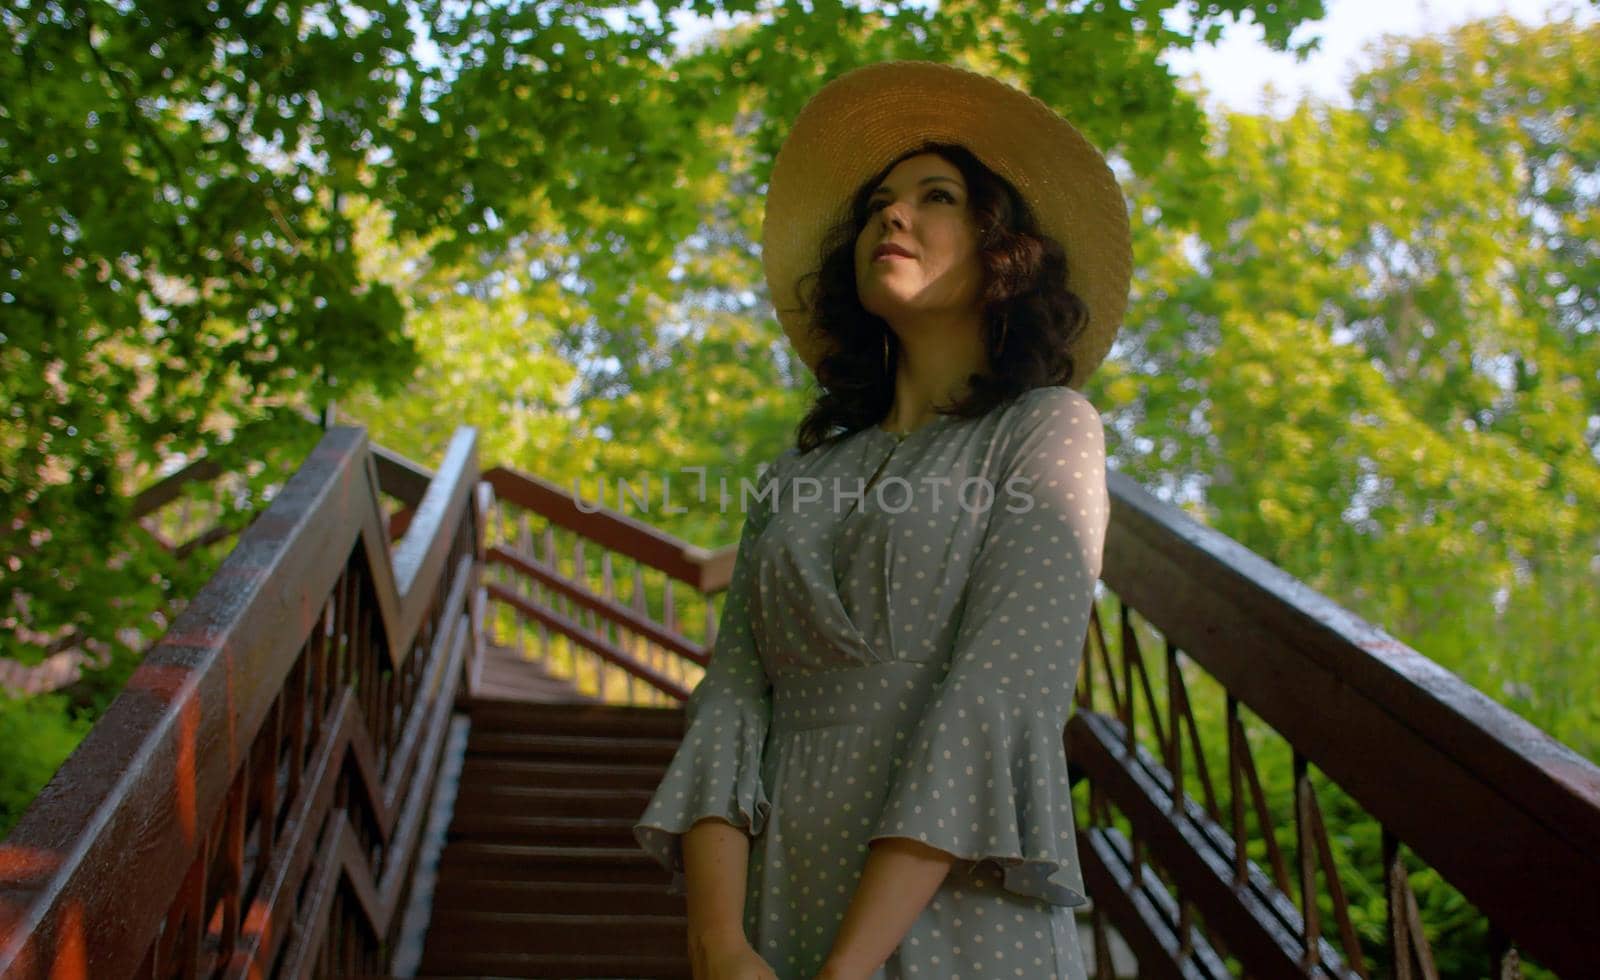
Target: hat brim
{"type": "Point", "coordinates": [856, 124]}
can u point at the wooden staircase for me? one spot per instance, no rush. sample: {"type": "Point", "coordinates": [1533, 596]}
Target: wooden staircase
{"type": "Point", "coordinates": [540, 875]}
{"type": "Point", "coordinates": [285, 789]}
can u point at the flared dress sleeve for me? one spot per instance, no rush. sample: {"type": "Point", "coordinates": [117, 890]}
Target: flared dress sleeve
{"type": "Point", "coordinates": [985, 774]}
{"type": "Point", "coordinates": [716, 771]}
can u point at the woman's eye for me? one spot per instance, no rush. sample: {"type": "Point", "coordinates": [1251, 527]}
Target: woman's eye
{"type": "Point", "coordinates": [873, 207]}
{"type": "Point", "coordinates": [940, 194]}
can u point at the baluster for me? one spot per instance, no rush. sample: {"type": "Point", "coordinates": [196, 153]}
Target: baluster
{"type": "Point", "coordinates": [344, 665]}
{"type": "Point", "coordinates": [1172, 746]}
{"type": "Point", "coordinates": [233, 860]}
{"type": "Point", "coordinates": [1174, 743]}
{"type": "Point", "coordinates": [382, 679]}
{"type": "Point", "coordinates": [1102, 946]}
{"type": "Point", "coordinates": [1196, 747]}
{"type": "Point", "coordinates": [264, 763]}
{"type": "Point", "coordinates": [640, 604]}
{"type": "Point", "coordinates": [552, 559]}
{"type": "Point", "coordinates": [1133, 654]}
{"type": "Point", "coordinates": [328, 682]}
{"type": "Point", "coordinates": [1394, 874]}
{"type": "Point", "coordinates": [1236, 752]}
{"type": "Point", "coordinates": [526, 586]}
{"type": "Point", "coordinates": [305, 725]}
{"type": "Point", "coordinates": [519, 628]}
{"type": "Point", "coordinates": [1407, 941]}
{"type": "Point", "coordinates": [1354, 958]}
{"type": "Point", "coordinates": [1097, 631]}
{"type": "Point", "coordinates": [372, 685]}
{"type": "Point", "coordinates": [1310, 951]}
{"type": "Point", "coordinates": [1126, 708]}
{"type": "Point", "coordinates": [610, 630]}
{"type": "Point", "coordinates": [409, 691]}
{"type": "Point", "coordinates": [178, 948]}
{"type": "Point", "coordinates": [669, 610]}
{"type": "Point", "coordinates": [608, 588]}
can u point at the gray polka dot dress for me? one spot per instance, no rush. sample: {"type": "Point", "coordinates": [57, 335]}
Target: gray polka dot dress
{"type": "Point", "coordinates": [896, 658]}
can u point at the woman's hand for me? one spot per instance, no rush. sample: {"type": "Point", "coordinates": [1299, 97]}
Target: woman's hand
{"type": "Point", "coordinates": [727, 956]}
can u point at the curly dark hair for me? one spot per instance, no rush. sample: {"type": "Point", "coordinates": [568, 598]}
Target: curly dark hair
{"type": "Point", "coordinates": [1025, 299]}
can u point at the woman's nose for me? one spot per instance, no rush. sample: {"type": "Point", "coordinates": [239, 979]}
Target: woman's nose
{"type": "Point", "coordinates": [893, 215]}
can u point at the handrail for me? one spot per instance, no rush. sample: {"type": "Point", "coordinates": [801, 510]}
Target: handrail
{"type": "Point", "coordinates": [542, 573]}
{"type": "Point", "coordinates": [312, 651]}
{"type": "Point", "coordinates": [397, 476]}
{"type": "Point", "coordinates": [1405, 738]}
{"type": "Point", "coordinates": [401, 478]}
{"type": "Point", "coordinates": [589, 641]}
{"type": "Point", "coordinates": [419, 556]}
{"type": "Point", "coordinates": [705, 570]}
{"type": "Point", "coordinates": [1154, 546]}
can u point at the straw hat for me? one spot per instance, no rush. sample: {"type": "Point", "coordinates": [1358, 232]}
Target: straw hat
{"type": "Point", "coordinates": [860, 121]}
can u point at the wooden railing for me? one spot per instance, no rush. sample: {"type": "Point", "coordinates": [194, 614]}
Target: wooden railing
{"type": "Point", "coordinates": [168, 514]}
{"type": "Point", "coordinates": [1260, 776]}
{"type": "Point", "coordinates": [1210, 664]}
{"type": "Point", "coordinates": [1216, 668]}
{"type": "Point", "coordinates": [1205, 667]}
{"type": "Point", "coordinates": [252, 802]}
{"type": "Point", "coordinates": [556, 567]}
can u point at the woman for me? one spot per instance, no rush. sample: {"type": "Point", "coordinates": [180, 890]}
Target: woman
{"type": "Point", "coordinates": [872, 783]}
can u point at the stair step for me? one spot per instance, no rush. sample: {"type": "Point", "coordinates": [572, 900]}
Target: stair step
{"type": "Point", "coordinates": [452, 931]}
{"type": "Point", "coordinates": [573, 897]}
{"type": "Point", "coordinates": [588, 966]}
{"type": "Point", "coordinates": [490, 715]}
{"type": "Point", "coordinates": [499, 772]}
{"type": "Point", "coordinates": [541, 875]}
{"type": "Point", "coordinates": [469, 861]}
{"type": "Point", "coordinates": [550, 801]}
{"type": "Point", "coordinates": [545, 831]}
{"type": "Point", "coordinates": [572, 747]}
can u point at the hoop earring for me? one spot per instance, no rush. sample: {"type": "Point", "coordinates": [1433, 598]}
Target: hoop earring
{"type": "Point", "coordinates": [1004, 323]}
{"type": "Point", "coordinates": [886, 353]}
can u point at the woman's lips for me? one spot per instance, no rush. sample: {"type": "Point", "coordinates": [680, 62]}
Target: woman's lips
{"type": "Point", "coordinates": [889, 252]}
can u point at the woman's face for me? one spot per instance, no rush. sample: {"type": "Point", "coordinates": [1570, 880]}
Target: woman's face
{"type": "Point", "coordinates": [918, 253]}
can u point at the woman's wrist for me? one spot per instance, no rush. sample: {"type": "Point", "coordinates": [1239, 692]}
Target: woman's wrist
{"type": "Point", "coordinates": [717, 935]}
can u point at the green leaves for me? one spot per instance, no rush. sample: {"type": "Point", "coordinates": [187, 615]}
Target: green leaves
{"type": "Point", "coordinates": [1362, 340]}
{"type": "Point", "coordinates": [1380, 369]}
{"type": "Point", "coordinates": [571, 202]}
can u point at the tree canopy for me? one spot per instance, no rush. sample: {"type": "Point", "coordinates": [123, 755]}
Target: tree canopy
{"type": "Point", "coordinates": [1382, 372]}
{"type": "Point", "coordinates": [185, 185]}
